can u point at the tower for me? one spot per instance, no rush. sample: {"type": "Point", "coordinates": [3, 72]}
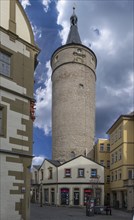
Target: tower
{"type": "Point", "coordinates": [73, 97]}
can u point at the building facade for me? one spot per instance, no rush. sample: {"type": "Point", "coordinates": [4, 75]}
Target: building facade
{"type": "Point", "coordinates": [70, 183]}
{"type": "Point", "coordinates": [17, 63]}
{"type": "Point", "coordinates": [73, 97]}
{"type": "Point", "coordinates": [102, 156]}
{"type": "Point", "coordinates": [122, 162]}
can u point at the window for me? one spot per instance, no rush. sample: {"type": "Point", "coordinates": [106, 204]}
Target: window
{"type": "Point", "coordinates": [1, 127]}
{"type": "Point", "coordinates": [112, 177]}
{"type": "Point", "coordinates": [4, 64]}
{"type": "Point", "coordinates": [80, 172]}
{"type": "Point", "coordinates": [108, 163]}
{"type": "Point", "coordinates": [50, 173]}
{"type": "Point", "coordinates": [116, 156]}
{"type": "Point", "coordinates": [41, 174]}
{"type": "Point", "coordinates": [115, 175]}
{"type": "Point", "coordinates": [120, 154]}
{"type": "Point", "coordinates": [108, 179]}
{"type": "Point", "coordinates": [131, 174]}
{"type": "Point", "coordinates": [67, 172]}
{"type": "Point", "coordinates": [102, 162]}
{"type": "Point", "coordinates": [101, 147]}
{"type": "Point", "coordinates": [108, 147]}
{"type": "Point", "coordinates": [119, 174]}
{"type": "Point", "coordinates": [3, 123]}
{"type": "Point", "coordinates": [112, 161]}
{"type": "Point", "coordinates": [72, 154]}
{"type": "Point", "coordinates": [93, 172]}
{"type": "Point", "coordinates": [35, 173]}
{"type": "Point", "coordinates": [120, 132]}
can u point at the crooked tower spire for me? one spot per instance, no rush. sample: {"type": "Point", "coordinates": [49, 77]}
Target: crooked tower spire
{"type": "Point", "coordinates": [73, 36]}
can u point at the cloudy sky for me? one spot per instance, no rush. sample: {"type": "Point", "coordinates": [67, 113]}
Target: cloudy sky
{"type": "Point", "coordinates": [106, 26]}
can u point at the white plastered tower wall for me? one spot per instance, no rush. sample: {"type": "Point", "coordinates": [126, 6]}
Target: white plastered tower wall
{"type": "Point", "coordinates": [16, 93]}
{"type": "Point", "coordinates": [73, 99]}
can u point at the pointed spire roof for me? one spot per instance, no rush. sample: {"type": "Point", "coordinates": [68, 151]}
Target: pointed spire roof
{"type": "Point", "coordinates": [73, 36]}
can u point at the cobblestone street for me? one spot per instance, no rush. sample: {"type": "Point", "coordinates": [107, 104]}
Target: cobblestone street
{"type": "Point", "coordinates": [66, 213]}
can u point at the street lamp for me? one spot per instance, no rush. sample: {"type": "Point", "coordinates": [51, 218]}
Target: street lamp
{"type": "Point", "coordinates": [41, 204]}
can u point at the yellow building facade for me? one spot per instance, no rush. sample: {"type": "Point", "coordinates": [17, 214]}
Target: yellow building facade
{"type": "Point", "coordinates": [122, 162]}
{"type": "Point", "coordinates": [102, 156]}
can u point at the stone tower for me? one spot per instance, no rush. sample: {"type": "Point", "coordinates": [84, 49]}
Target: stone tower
{"type": "Point", "coordinates": [73, 97]}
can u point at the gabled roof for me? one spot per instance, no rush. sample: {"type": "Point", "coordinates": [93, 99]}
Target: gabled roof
{"type": "Point", "coordinates": [78, 157]}
{"type": "Point", "coordinates": [54, 162]}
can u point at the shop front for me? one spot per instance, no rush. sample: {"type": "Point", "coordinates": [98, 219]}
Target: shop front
{"type": "Point", "coordinates": [64, 196]}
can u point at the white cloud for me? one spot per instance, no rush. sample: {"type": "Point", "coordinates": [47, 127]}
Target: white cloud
{"type": "Point", "coordinates": [25, 3]}
{"type": "Point", "coordinates": [38, 160]}
{"type": "Point", "coordinates": [46, 4]}
{"type": "Point", "coordinates": [43, 98]}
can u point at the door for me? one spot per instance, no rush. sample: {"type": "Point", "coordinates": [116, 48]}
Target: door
{"type": "Point", "coordinates": [76, 198]}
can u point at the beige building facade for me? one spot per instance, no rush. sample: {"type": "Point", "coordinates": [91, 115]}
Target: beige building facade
{"type": "Point", "coordinates": [122, 162]}
{"type": "Point", "coordinates": [73, 97]}
{"type": "Point", "coordinates": [70, 183]}
{"type": "Point", "coordinates": [102, 156]}
{"type": "Point", "coordinates": [17, 63]}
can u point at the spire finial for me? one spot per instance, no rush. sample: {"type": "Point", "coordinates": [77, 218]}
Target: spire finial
{"type": "Point", "coordinates": [73, 18]}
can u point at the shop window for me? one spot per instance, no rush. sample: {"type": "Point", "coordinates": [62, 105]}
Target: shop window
{"type": "Point", "coordinates": [80, 172]}
{"type": "Point", "coordinates": [5, 64]}
{"type": "Point", "coordinates": [101, 147]}
{"type": "Point", "coordinates": [67, 172]}
{"type": "Point", "coordinates": [94, 173]}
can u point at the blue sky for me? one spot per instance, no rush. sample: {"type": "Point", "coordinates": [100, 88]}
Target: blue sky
{"type": "Point", "coordinates": [106, 26]}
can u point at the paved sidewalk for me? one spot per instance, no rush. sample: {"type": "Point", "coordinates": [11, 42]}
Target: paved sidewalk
{"type": "Point", "coordinates": [66, 213]}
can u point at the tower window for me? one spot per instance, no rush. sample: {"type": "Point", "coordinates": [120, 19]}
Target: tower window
{"type": "Point", "coordinates": [5, 64]}
{"type": "Point", "coordinates": [81, 85]}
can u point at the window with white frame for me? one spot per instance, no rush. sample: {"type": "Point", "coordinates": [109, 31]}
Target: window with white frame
{"type": "Point", "coordinates": [68, 172]}
{"type": "Point", "coordinates": [5, 62]}
{"type": "Point", "coordinates": [80, 172]}
{"type": "Point", "coordinates": [101, 147]}
{"type": "Point", "coordinates": [93, 173]}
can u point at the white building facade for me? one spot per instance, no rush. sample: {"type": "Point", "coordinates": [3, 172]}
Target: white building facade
{"type": "Point", "coordinates": [70, 183]}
